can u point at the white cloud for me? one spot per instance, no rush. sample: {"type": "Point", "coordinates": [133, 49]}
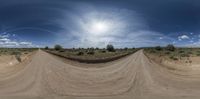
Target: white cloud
{"type": "Point", "coordinates": [6, 41]}
{"type": "Point", "coordinates": [182, 37]}
{"type": "Point", "coordinates": [126, 28]}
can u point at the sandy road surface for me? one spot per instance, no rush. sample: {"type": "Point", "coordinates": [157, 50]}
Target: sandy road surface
{"type": "Point", "coordinates": [134, 77]}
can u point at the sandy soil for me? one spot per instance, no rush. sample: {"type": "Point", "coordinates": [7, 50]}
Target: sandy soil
{"type": "Point", "coordinates": [134, 77]}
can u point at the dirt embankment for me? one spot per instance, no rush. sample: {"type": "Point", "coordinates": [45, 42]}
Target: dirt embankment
{"type": "Point", "coordinates": [100, 60]}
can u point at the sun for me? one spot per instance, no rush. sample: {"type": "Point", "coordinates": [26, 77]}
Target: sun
{"type": "Point", "coordinates": [99, 28]}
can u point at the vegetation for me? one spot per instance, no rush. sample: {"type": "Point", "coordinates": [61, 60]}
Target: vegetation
{"type": "Point", "coordinates": [17, 52]}
{"type": "Point", "coordinates": [58, 47]}
{"type": "Point", "coordinates": [110, 48]}
{"type": "Point", "coordinates": [170, 47]}
{"type": "Point", "coordinates": [173, 53]}
{"type": "Point", "coordinates": [158, 48]}
{"type": "Point", "coordinates": [91, 53]}
{"type": "Point", "coordinates": [46, 48]}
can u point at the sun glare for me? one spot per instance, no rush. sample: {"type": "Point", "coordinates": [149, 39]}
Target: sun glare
{"type": "Point", "coordinates": [99, 28]}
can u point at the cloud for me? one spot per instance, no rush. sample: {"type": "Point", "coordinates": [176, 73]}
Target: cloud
{"type": "Point", "coordinates": [182, 37]}
{"type": "Point", "coordinates": [7, 41]}
{"type": "Point", "coordinates": [126, 28]}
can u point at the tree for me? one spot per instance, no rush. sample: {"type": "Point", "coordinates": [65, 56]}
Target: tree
{"type": "Point", "coordinates": [110, 48]}
{"type": "Point", "coordinates": [46, 48]}
{"type": "Point", "coordinates": [126, 48]}
{"type": "Point", "coordinates": [170, 47]}
{"type": "Point", "coordinates": [58, 47]}
{"type": "Point", "coordinates": [158, 48]}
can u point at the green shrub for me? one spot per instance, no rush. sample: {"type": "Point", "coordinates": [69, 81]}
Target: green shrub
{"type": "Point", "coordinates": [189, 53]}
{"type": "Point", "coordinates": [184, 55]}
{"type": "Point", "coordinates": [167, 52]}
{"type": "Point", "coordinates": [17, 55]}
{"type": "Point", "coordinates": [91, 52]}
{"type": "Point", "coordinates": [173, 58]}
{"type": "Point", "coordinates": [58, 47]}
{"type": "Point", "coordinates": [103, 51]}
{"type": "Point", "coordinates": [126, 48]}
{"type": "Point", "coordinates": [110, 48]}
{"type": "Point", "coordinates": [152, 51]}
{"type": "Point", "coordinates": [158, 48]}
{"type": "Point", "coordinates": [181, 51]}
{"type": "Point", "coordinates": [46, 48]}
{"type": "Point", "coordinates": [170, 47]}
{"type": "Point", "coordinates": [62, 50]}
{"type": "Point", "coordinates": [80, 53]}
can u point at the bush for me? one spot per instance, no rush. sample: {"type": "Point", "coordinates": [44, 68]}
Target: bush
{"type": "Point", "coordinates": [58, 47]}
{"type": "Point", "coordinates": [181, 51]}
{"type": "Point", "coordinates": [126, 48]}
{"type": "Point", "coordinates": [62, 50]}
{"type": "Point", "coordinates": [17, 55]}
{"type": "Point", "coordinates": [198, 54]}
{"type": "Point", "coordinates": [158, 48]}
{"type": "Point", "coordinates": [185, 55]}
{"type": "Point", "coordinates": [167, 52]}
{"type": "Point", "coordinates": [18, 58]}
{"type": "Point", "coordinates": [91, 52]}
{"type": "Point", "coordinates": [80, 53]}
{"type": "Point", "coordinates": [173, 58]}
{"type": "Point", "coordinates": [189, 53]}
{"type": "Point", "coordinates": [103, 51]}
{"type": "Point", "coordinates": [170, 47]}
{"type": "Point", "coordinates": [110, 48]}
{"type": "Point", "coordinates": [46, 48]}
{"type": "Point", "coordinates": [96, 48]}
{"type": "Point", "coordinates": [152, 51]}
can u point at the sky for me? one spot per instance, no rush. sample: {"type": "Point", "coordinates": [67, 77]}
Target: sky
{"type": "Point", "coordinates": [96, 23]}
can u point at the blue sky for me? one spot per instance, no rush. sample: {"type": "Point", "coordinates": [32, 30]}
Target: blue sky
{"type": "Point", "coordinates": [96, 23]}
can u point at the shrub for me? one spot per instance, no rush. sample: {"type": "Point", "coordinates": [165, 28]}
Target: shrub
{"type": "Point", "coordinates": [152, 51]}
{"type": "Point", "coordinates": [46, 48]}
{"type": "Point", "coordinates": [110, 48]}
{"type": "Point", "coordinates": [181, 51]}
{"type": "Point", "coordinates": [17, 55]}
{"type": "Point", "coordinates": [167, 52]}
{"type": "Point", "coordinates": [158, 48]}
{"type": "Point", "coordinates": [173, 58]}
{"type": "Point", "coordinates": [62, 50]}
{"type": "Point", "coordinates": [189, 53]}
{"type": "Point", "coordinates": [198, 54]}
{"type": "Point", "coordinates": [170, 47]}
{"type": "Point", "coordinates": [58, 47]}
{"type": "Point", "coordinates": [18, 58]}
{"type": "Point", "coordinates": [126, 48]}
{"type": "Point", "coordinates": [91, 52]}
{"type": "Point", "coordinates": [184, 55]}
{"type": "Point", "coordinates": [103, 51]}
{"type": "Point", "coordinates": [80, 53]}
{"type": "Point", "coordinates": [96, 48]}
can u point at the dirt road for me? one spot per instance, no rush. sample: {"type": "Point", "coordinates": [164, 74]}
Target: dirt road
{"type": "Point", "coordinates": [134, 77]}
